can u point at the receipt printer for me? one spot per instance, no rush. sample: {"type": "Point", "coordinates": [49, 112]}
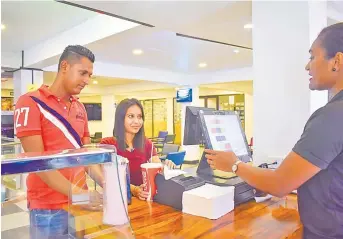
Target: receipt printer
{"type": "Point", "coordinates": [169, 192]}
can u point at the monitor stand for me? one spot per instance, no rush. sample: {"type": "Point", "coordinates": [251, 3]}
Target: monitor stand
{"type": "Point", "coordinates": [243, 191]}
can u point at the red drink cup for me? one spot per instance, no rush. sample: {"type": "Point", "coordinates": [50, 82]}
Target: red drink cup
{"type": "Point", "coordinates": [149, 171]}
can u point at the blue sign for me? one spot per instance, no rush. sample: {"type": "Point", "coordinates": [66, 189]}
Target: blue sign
{"type": "Point", "coordinates": [184, 95]}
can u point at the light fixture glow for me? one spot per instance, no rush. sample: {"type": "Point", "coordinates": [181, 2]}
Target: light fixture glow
{"type": "Point", "coordinates": [202, 65]}
{"type": "Point", "coordinates": [95, 82]}
{"type": "Point", "coordinates": [137, 51]}
{"type": "Point", "coordinates": [248, 26]}
{"type": "Point", "coordinates": [3, 27]}
{"type": "Point", "coordinates": [236, 51]}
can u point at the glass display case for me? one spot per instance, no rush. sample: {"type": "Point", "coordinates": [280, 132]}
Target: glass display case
{"type": "Point", "coordinates": [95, 208]}
{"type": "Point", "coordinates": [7, 125]}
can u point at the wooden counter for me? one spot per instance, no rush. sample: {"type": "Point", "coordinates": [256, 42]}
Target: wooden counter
{"type": "Point", "coordinates": [273, 219]}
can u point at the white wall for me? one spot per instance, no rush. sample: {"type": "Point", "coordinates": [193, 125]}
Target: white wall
{"type": "Point", "coordinates": [249, 116]}
{"type": "Point", "coordinates": [281, 94]}
{"type": "Point", "coordinates": [108, 114]}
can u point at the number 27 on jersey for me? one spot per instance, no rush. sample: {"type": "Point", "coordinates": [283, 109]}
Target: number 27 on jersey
{"type": "Point", "coordinates": [21, 115]}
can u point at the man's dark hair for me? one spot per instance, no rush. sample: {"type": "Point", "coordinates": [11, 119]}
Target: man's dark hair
{"type": "Point", "coordinates": [119, 127]}
{"type": "Point", "coordinates": [75, 53]}
{"type": "Point", "coordinates": [331, 39]}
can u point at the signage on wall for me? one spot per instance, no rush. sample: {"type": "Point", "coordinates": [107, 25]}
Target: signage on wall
{"type": "Point", "coordinates": [184, 95]}
{"type": "Point", "coordinates": [32, 87]}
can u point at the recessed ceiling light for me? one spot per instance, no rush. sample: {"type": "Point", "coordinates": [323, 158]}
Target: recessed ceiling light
{"type": "Point", "coordinates": [3, 27]}
{"type": "Point", "coordinates": [248, 26]}
{"type": "Point", "coordinates": [202, 65]}
{"type": "Point", "coordinates": [137, 51]}
{"type": "Point", "coordinates": [95, 82]}
{"type": "Point", "coordinates": [236, 51]}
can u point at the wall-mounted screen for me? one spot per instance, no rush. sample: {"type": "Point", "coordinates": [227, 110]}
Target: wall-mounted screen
{"type": "Point", "coordinates": [93, 111]}
{"type": "Point", "coordinates": [184, 95]}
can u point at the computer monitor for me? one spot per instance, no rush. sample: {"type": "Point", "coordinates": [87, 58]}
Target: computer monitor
{"type": "Point", "coordinates": [222, 131]}
{"type": "Point", "coordinates": [193, 131]}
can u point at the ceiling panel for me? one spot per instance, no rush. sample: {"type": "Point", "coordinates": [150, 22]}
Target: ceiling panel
{"type": "Point", "coordinates": [31, 22]}
{"type": "Point", "coordinates": [164, 50]}
{"type": "Point", "coordinates": [163, 14]}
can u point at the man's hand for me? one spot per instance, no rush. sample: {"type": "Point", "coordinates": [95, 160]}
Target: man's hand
{"type": "Point", "coordinates": [220, 160]}
{"type": "Point", "coordinates": [54, 179]}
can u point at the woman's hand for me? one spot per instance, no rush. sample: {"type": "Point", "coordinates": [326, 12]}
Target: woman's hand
{"type": "Point", "coordinates": [139, 193]}
{"type": "Point", "coordinates": [166, 162]}
{"type": "Point", "coordinates": [169, 164]}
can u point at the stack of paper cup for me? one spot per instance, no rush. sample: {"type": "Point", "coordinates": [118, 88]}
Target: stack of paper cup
{"type": "Point", "coordinates": [115, 192]}
{"type": "Point", "coordinates": [149, 171]}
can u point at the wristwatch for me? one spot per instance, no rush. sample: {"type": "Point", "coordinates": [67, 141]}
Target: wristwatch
{"type": "Point", "coordinates": [235, 166]}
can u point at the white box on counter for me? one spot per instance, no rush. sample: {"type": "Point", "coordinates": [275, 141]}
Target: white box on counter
{"type": "Point", "coordinates": [209, 201]}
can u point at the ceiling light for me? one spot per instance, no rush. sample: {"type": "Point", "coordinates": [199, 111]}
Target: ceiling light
{"type": "Point", "coordinates": [248, 26]}
{"type": "Point", "coordinates": [236, 51]}
{"type": "Point", "coordinates": [95, 82]}
{"type": "Point", "coordinates": [137, 52]}
{"type": "Point", "coordinates": [202, 65]}
{"type": "Point", "coordinates": [3, 27]}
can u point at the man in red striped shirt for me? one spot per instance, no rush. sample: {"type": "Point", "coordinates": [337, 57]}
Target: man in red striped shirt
{"type": "Point", "coordinates": [52, 118]}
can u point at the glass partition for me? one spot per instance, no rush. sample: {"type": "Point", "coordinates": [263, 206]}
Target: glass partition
{"type": "Point", "coordinates": [11, 148]}
{"type": "Point", "coordinates": [160, 115]}
{"type": "Point", "coordinates": [155, 116]}
{"type": "Point", "coordinates": [148, 123]}
{"type": "Point", "coordinates": [13, 185]}
{"type": "Point", "coordinates": [93, 208]}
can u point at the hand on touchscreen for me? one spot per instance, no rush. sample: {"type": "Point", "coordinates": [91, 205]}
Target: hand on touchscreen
{"type": "Point", "coordinates": [220, 160]}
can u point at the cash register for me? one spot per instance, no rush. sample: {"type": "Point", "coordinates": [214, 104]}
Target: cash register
{"type": "Point", "coordinates": [170, 192]}
{"type": "Point", "coordinates": [219, 130]}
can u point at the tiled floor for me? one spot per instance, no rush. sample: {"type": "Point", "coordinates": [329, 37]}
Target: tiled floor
{"type": "Point", "coordinates": [15, 221]}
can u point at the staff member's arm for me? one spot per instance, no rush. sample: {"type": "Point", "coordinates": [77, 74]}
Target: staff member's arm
{"type": "Point", "coordinates": [292, 173]}
{"type": "Point", "coordinates": [320, 143]}
{"type": "Point", "coordinates": [28, 128]}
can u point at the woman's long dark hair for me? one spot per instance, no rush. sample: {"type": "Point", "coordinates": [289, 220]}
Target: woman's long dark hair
{"type": "Point", "coordinates": [119, 127]}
